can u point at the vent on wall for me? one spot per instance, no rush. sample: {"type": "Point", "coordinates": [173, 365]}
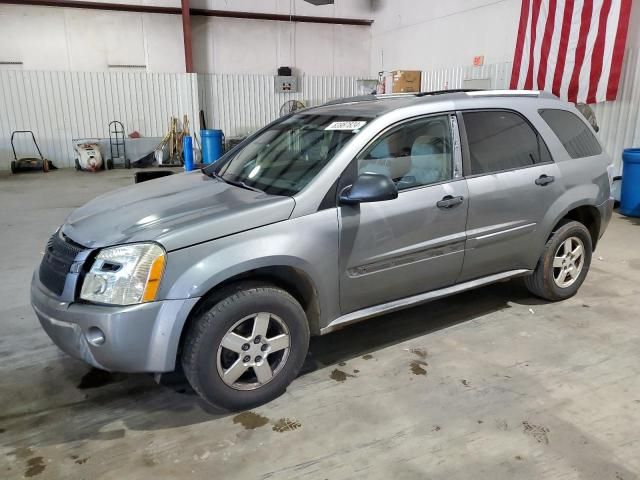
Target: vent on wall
{"type": "Point", "coordinates": [139, 67]}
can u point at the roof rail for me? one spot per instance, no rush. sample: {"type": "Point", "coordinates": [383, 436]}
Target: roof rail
{"type": "Point", "coordinates": [357, 98]}
{"type": "Point", "coordinates": [444, 92]}
{"type": "Point", "coordinates": [500, 93]}
{"type": "Point", "coordinates": [512, 93]}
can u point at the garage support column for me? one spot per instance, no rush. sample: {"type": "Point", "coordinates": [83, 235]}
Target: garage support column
{"type": "Point", "coordinates": [186, 32]}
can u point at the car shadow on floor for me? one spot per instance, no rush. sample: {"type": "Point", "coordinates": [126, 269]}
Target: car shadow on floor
{"type": "Point", "coordinates": [142, 405]}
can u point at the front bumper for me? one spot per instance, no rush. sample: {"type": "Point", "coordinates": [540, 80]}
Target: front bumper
{"type": "Point", "coordinates": [138, 338]}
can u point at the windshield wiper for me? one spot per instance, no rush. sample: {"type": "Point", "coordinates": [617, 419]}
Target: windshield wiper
{"type": "Point", "coordinates": [235, 183]}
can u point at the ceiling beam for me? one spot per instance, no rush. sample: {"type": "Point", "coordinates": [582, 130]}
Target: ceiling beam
{"type": "Point", "coordinates": [119, 7]}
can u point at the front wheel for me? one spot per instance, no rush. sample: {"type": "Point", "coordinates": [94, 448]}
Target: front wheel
{"type": "Point", "coordinates": [247, 348]}
{"type": "Point", "coordinates": [564, 263]}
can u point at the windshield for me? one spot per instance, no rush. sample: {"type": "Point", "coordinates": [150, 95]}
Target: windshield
{"type": "Point", "coordinates": [283, 159]}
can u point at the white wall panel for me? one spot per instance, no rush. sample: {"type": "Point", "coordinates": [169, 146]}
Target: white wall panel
{"type": "Point", "coordinates": [239, 104]}
{"type": "Point", "coordinates": [497, 74]}
{"type": "Point", "coordinates": [60, 106]}
{"type": "Point", "coordinates": [619, 122]}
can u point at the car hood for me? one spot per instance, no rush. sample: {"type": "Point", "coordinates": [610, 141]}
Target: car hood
{"type": "Point", "coordinates": [176, 211]}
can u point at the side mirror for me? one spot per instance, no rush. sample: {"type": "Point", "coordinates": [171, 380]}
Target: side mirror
{"type": "Point", "coordinates": [369, 187]}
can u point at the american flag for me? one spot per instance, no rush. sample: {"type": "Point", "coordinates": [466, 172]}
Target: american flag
{"type": "Point", "coordinates": [573, 48]}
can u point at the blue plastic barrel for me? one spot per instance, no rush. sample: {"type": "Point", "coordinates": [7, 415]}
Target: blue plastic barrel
{"type": "Point", "coordinates": [187, 152]}
{"type": "Point", "coordinates": [630, 193]}
{"type": "Point", "coordinates": [212, 145]}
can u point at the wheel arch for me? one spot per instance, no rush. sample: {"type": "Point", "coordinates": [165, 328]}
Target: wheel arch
{"type": "Point", "coordinates": [586, 214]}
{"type": "Point", "coordinates": [294, 280]}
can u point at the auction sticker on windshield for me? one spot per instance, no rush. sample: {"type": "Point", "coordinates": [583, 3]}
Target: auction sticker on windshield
{"type": "Point", "coordinates": [346, 125]}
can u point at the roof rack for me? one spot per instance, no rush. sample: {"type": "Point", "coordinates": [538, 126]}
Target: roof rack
{"type": "Point", "coordinates": [500, 93]}
{"type": "Point", "coordinates": [444, 92]}
{"type": "Point", "coordinates": [357, 98]}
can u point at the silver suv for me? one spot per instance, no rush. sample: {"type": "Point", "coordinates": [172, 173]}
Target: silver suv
{"type": "Point", "coordinates": [326, 217]}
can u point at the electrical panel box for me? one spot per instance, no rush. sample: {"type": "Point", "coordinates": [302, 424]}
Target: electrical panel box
{"type": "Point", "coordinates": [286, 84]}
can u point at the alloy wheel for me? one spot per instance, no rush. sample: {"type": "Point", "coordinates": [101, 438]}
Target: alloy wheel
{"type": "Point", "coordinates": [253, 351]}
{"type": "Point", "coordinates": [568, 262]}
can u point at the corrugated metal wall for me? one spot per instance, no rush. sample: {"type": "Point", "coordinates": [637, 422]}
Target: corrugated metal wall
{"type": "Point", "coordinates": [497, 74]}
{"type": "Point", "coordinates": [239, 104]}
{"type": "Point", "coordinates": [619, 122]}
{"type": "Point", "coordinates": [60, 106]}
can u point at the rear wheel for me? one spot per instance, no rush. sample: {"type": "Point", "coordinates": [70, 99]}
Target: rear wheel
{"type": "Point", "coordinates": [14, 167]}
{"type": "Point", "coordinates": [109, 164]}
{"type": "Point", "coordinates": [247, 348]}
{"type": "Point", "coordinates": [564, 263]}
{"type": "Point", "coordinates": [127, 163]}
{"type": "Point", "coordinates": [78, 168]}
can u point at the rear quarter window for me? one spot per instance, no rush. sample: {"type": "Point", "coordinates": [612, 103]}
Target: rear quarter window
{"type": "Point", "coordinates": [573, 133]}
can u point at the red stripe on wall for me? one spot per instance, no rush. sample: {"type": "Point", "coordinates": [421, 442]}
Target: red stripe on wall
{"type": "Point", "coordinates": [563, 47]}
{"type": "Point", "coordinates": [528, 84]}
{"type": "Point", "coordinates": [546, 44]}
{"type": "Point", "coordinates": [585, 24]}
{"type": "Point", "coordinates": [618, 50]}
{"type": "Point", "coordinates": [597, 56]}
{"type": "Point", "coordinates": [522, 33]}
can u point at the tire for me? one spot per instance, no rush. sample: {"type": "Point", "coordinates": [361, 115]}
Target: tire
{"type": "Point", "coordinates": [78, 168]}
{"type": "Point", "coordinates": [14, 167]}
{"type": "Point", "coordinates": [205, 360]}
{"type": "Point", "coordinates": [547, 281]}
{"type": "Point", "coordinates": [127, 163]}
{"type": "Point", "coordinates": [109, 164]}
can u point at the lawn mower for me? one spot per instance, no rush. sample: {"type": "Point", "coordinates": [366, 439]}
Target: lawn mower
{"type": "Point", "coordinates": [27, 164]}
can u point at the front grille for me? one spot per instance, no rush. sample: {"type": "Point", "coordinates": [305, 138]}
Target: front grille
{"type": "Point", "coordinates": [59, 255]}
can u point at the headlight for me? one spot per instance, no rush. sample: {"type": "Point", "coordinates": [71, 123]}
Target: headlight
{"type": "Point", "coordinates": [125, 275]}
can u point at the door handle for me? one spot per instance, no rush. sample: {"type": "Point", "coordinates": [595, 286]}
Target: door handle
{"type": "Point", "coordinates": [543, 180]}
{"type": "Point", "coordinates": [449, 201]}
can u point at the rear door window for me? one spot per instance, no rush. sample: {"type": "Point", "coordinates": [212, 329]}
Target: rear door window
{"type": "Point", "coordinates": [573, 133]}
{"type": "Point", "coordinates": [502, 140]}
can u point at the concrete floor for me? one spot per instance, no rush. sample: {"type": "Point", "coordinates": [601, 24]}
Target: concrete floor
{"type": "Point", "coordinates": [489, 384]}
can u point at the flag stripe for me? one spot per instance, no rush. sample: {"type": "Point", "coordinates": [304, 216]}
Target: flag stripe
{"type": "Point", "coordinates": [528, 84]}
{"type": "Point", "coordinates": [610, 39]}
{"type": "Point", "coordinates": [554, 49]}
{"type": "Point", "coordinates": [618, 50]}
{"type": "Point", "coordinates": [574, 37]}
{"type": "Point", "coordinates": [597, 57]}
{"type": "Point", "coordinates": [585, 70]}
{"type": "Point", "coordinates": [564, 43]}
{"type": "Point", "coordinates": [524, 17]}
{"type": "Point", "coordinates": [546, 43]}
{"type": "Point", "coordinates": [585, 21]}
{"type": "Point", "coordinates": [524, 67]}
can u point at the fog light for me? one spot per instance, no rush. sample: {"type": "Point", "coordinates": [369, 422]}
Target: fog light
{"type": "Point", "coordinates": [95, 336]}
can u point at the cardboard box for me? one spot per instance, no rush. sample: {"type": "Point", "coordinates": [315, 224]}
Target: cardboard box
{"type": "Point", "coordinates": [404, 81]}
